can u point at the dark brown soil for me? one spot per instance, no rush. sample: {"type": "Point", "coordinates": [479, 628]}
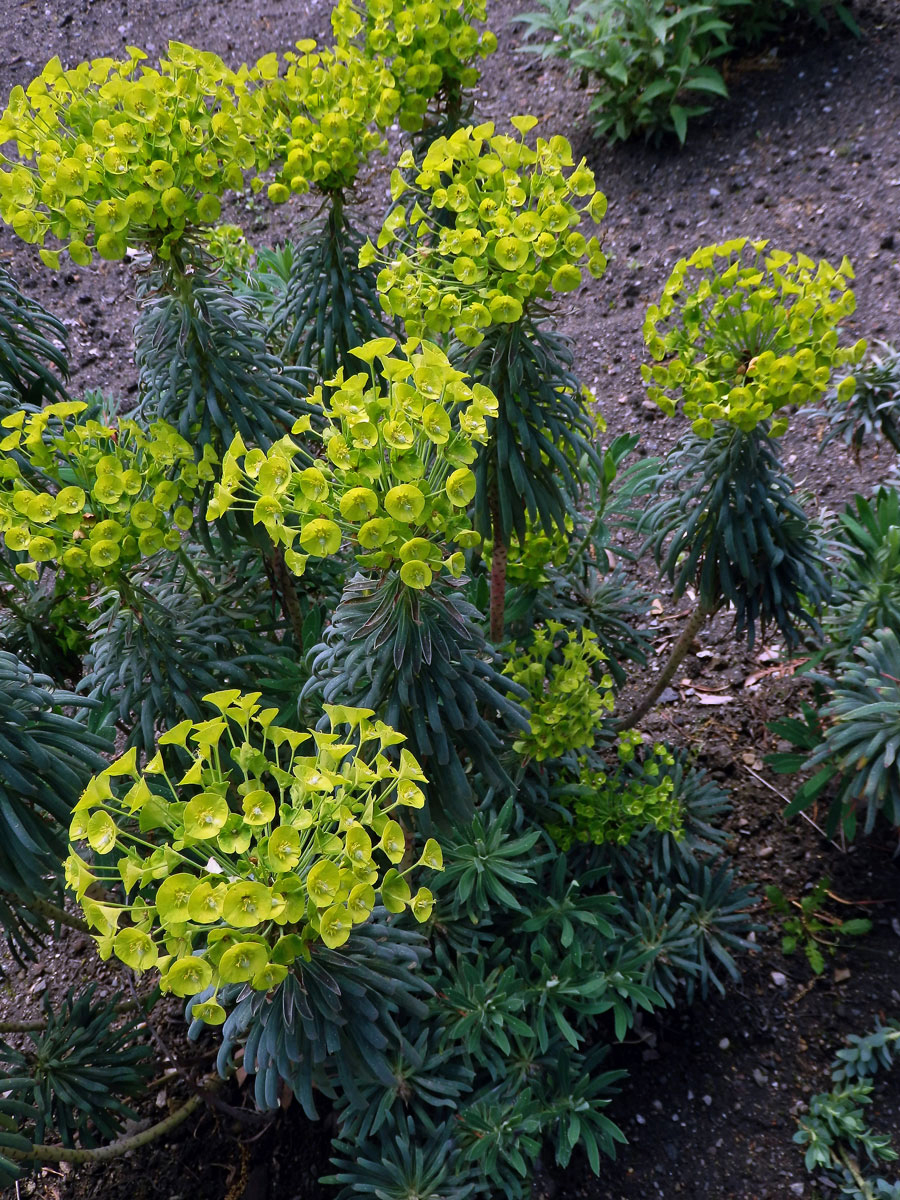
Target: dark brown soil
{"type": "Point", "coordinates": [806, 153]}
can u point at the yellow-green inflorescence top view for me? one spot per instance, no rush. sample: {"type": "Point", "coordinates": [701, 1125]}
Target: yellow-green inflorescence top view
{"type": "Point", "coordinates": [484, 225]}
{"type": "Point", "coordinates": [394, 478]}
{"type": "Point", "coordinates": [241, 843]}
{"type": "Point", "coordinates": [742, 331]}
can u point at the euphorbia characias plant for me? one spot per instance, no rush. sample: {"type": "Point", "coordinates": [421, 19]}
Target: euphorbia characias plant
{"type": "Point", "coordinates": [243, 843]}
{"type": "Point", "coordinates": [741, 332]}
{"type": "Point", "coordinates": [394, 480]}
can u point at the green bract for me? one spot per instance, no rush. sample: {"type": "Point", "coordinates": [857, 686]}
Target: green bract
{"type": "Point", "coordinates": [115, 153]}
{"type": "Point", "coordinates": [429, 46]}
{"type": "Point", "coordinates": [567, 704]}
{"type": "Point", "coordinates": [115, 493]}
{"type": "Point", "coordinates": [739, 334]}
{"type": "Point", "coordinates": [243, 842]}
{"type": "Point", "coordinates": [487, 223]}
{"type": "Point", "coordinates": [394, 477]}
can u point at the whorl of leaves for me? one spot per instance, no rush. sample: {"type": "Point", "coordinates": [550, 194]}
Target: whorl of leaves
{"type": "Point", "coordinates": [541, 431]}
{"type": "Point", "coordinates": [32, 366]}
{"type": "Point", "coordinates": [79, 1072]}
{"type": "Point", "coordinates": [334, 1019]}
{"type": "Point", "coordinates": [418, 1161]}
{"type": "Point", "coordinates": [728, 525]}
{"type": "Point", "coordinates": [330, 304]}
{"type": "Point", "coordinates": [156, 651]}
{"type": "Point", "coordinates": [420, 660]}
{"type": "Point", "coordinates": [46, 759]}
{"type": "Point", "coordinates": [857, 756]}
{"type": "Point", "coordinates": [867, 584]}
{"type": "Point", "coordinates": [203, 362]}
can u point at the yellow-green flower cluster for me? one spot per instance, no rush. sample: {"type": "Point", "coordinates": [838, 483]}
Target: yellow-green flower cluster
{"type": "Point", "coordinates": [528, 559]}
{"type": "Point", "coordinates": [487, 224]}
{"type": "Point", "coordinates": [114, 494]}
{"type": "Point", "coordinates": [612, 807]}
{"type": "Point", "coordinates": [242, 842]}
{"type": "Point", "coordinates": [741, 332]}
{"type": "Point", "coordinates": [229, 248]}
{"type": "Point", "coordinates": [114, 153]}
{"type": "Point", "coordinates": [430, 46]}
{"type": "Point", "coordinates": [394, 477]}
{"type": "Point", "coordinates": [322, 112]}
{"type": "Point", "coordinates": [566, 702]}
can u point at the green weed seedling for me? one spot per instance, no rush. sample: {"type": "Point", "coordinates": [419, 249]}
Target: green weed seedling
{"type": "Point", "coordinates": [807, 927]}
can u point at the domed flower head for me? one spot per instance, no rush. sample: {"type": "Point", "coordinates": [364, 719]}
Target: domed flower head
{"type": "Point", "coordinates": [742, 330]}
{"type": "Point", "coordinates": [114, 153]}
{"type": "Point", "coordinates": [503, 229]}
{"type": "Point", "coordinates": [398, 439]}
{"type": "Point", "coordinates": [268, 828]}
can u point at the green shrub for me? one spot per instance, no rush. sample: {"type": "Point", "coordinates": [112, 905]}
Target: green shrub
{"type": "Point", "coordinates": [650, 62]}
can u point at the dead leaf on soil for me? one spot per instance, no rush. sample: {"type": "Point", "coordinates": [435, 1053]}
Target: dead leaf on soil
{"type": "Point", "coordinates": [768, 654]}
{"type": "Point", "coordinates": [779, 671]}
{"type": "Point", "coordinates": [841, 974]}
{"type": "Point", "coordinates": [711, 698]}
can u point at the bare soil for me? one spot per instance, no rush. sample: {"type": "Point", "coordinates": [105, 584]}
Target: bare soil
{"type": "Point", "coordinates": [806, 152]}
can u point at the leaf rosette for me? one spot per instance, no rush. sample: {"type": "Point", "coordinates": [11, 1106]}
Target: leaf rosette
{"type": "Point", "coordinates": [241, 844]}
{"type": "Point", "coordinates": [742, 331]}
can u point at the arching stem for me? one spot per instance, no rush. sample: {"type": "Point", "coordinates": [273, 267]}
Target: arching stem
{"type": "Point", "coordinates": [679, 650]}
{"type": "Point", "coordinates": [58, 915]}
{"type": "Point", "coordinates": [58, 1154]}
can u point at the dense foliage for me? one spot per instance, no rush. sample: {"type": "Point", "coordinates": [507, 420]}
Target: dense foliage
{"type": "Point", "coordinates": [651, 63]}
{"type": "Point", "coordinates": [338, 592]}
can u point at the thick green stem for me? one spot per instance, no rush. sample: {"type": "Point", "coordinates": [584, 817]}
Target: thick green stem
{"type": "Point", "coordinates": [499, 556]}
{"type": "Point", "coordinates": [852, 1166]}
{"type": "Point", "coordinates": [58, 1154]}
{"type": "Point", "coordinates": [22, 1026]}
{"type": "Point", "coordinates": [203, 585]}
{"type": "Point", "coordinates": [679, 650]}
